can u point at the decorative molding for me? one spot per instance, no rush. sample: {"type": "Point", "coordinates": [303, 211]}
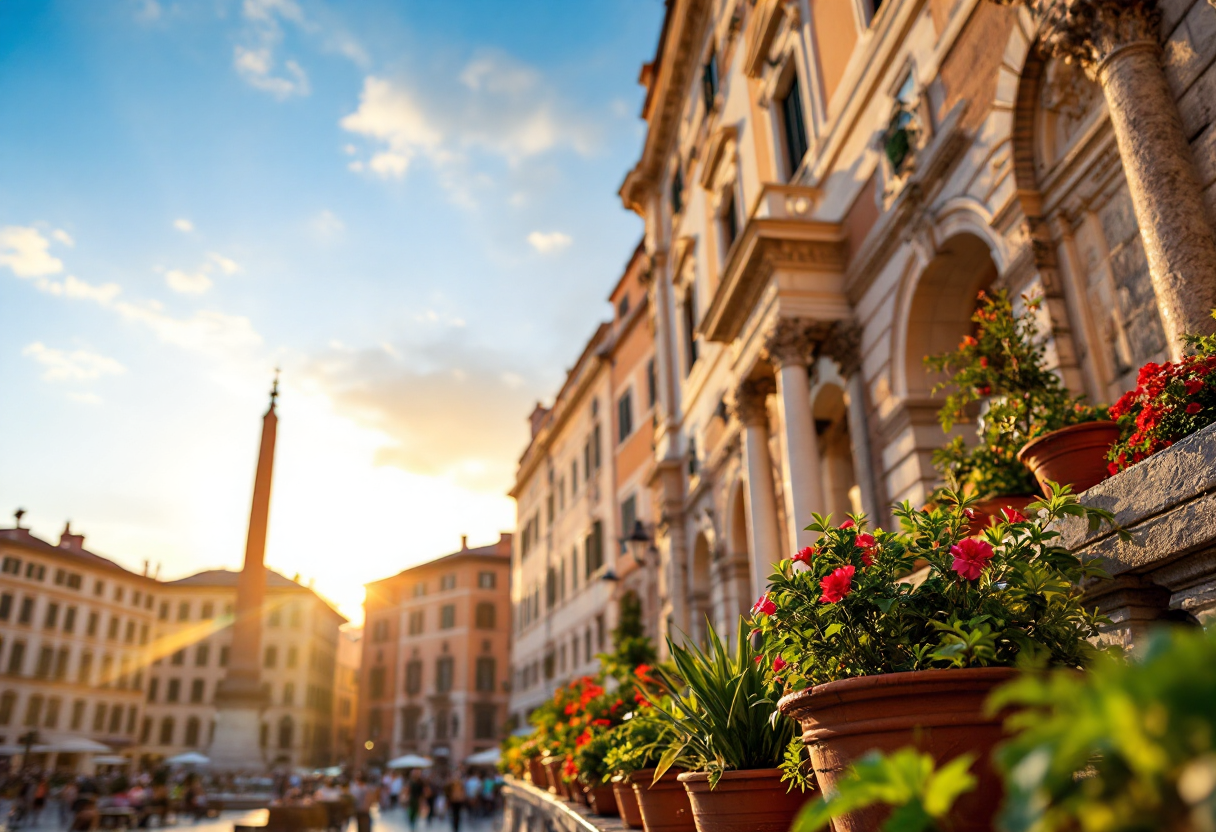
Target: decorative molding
{"type": "Point", "coordinates": [793, 341]}
{"type": "Point", "coordinates": [844, 347]}
{"type": "Point", "coordinates": [765, 24]}
{"type": "Point", "coordinates": [749, 401]}
{"type": "Point", "coordinates": [715, 152]}
{"type": "Point", "coordinates": [1089, 32]}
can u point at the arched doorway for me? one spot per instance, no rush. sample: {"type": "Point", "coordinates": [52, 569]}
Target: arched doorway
{"type": "Point", "coordinates": [840, 488]}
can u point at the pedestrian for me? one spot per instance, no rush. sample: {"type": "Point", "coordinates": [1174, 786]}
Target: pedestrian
{"type": "Point", "coordinates": [414, 796]}
{"type": "Point", "coordinates": [472, 790]}
{"type": "Point", "coordinates": [365, 795]}
{"type": "Point", "coordinates": [456, 796]}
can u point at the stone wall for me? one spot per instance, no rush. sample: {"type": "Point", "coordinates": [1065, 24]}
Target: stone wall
{"type": "Point", "coordinates": [1167, 571]}
{"type": "Point", "coordinates": [1189, 29]}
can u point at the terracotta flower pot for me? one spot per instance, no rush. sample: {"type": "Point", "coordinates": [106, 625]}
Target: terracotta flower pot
{"type": "Point", "coordinates": [577, 792]}
{"type": "Point", "coordinates": [988, 511]}
{"type": "Point", "coordinates": [1075, 455]}
{"type": "Point", "coordinates": [744, 801]}
{"type": "Point", "coordinates": [627, 802]}
{"type": "Point", "coordinates": [938, 711]}
{"type": "Point", "coordinates": [665, 805]}
{"type": "Point", "coordinates": [602, 800]}
{"type": "Point", "coordinates": [553, 775]}
{"type": "Point", "coordinates": [536, 773]}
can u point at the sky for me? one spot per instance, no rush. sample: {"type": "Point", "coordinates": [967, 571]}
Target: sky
{"type": "Point", "coordinates": [410, 207]}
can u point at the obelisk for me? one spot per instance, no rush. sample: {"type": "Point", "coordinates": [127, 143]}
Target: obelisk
{"type": "Point", "coordinates": [240, 699]}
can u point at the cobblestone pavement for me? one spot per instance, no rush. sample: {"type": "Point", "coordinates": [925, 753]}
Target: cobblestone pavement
{"type": "Point", "coordinates": [393, 820]}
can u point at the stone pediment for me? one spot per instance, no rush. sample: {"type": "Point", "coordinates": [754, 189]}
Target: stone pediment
{"type": "Point", "coordinates": [780, 236]}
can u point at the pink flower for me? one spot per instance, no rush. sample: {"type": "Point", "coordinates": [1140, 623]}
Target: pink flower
{"type": "Point", "coordinates": [837, 585]}
{"type": "Point", "coordinates": [1012, 515]}
{"type": "Point", "coordinates": [847, 524]}
{"type": "Point", "coordinates": [970, 557]}
{"type": "Point", "coordinates": [779, 664]}
{"type": "Point", "coordinates": [804, 554]}
{"type": "Point", "coordinates": [764, 605]}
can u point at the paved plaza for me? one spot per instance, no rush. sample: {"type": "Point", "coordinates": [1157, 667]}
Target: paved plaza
{"type": "Point", "coordinates": [393, 820]}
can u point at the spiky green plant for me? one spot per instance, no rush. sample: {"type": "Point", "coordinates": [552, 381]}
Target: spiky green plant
{"type": "Point", "coordinates": [720, 708]}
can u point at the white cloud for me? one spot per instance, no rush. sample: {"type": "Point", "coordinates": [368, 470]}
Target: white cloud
{"type": "Point", "coordinates": [27, 252]}
{"type": "Point", "coordinates": [327, 225]}
{"type": "Point", "coordinates": [149, 10]}
{"type": "Point", "coordinates": [495, 107]}
{"type": "Point", "coordinates": [183, 225]}
{"type": "Point", "coordinates": [61, 236]}
{"type": "Point", "coordinates": [187, 284]}
{"type": "Point", "coordinates": [549, 242]}
{"type": "Point", "coordinates": [257, 67]}
{"type": "Point", "coordinates": [77, 289]}
{"type": "Point", "coordinates": [77, 365]}
{"type": "Point", "coordinates": [224, 264]}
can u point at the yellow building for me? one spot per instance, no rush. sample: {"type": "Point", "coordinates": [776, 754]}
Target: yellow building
{"type": "Point", "coordinates": [346, 692]}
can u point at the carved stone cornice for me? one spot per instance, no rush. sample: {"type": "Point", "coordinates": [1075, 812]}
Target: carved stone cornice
{"type": "Point", "coordinates": [1089, 32]}
{"type": "Point", "coordinates": [748, 401]}
{"type": "Point", "coordinates": [792, 341]}
{"type": "Point", "coordinates": [844, 347]}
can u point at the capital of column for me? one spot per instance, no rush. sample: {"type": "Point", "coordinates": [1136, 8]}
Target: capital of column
{"type": "Point", "coordinates": [749, 401]}
{"type": "Point", "coordinates": [791, 341]}
{"type": "Point", "coordinates": [1089, 32]}
{"type": "Point", "coordinates": [844, 347]}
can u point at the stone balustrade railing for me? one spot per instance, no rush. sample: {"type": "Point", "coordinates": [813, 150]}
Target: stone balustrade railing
{"type": "Point", "coordinates": [527, 808]}
{"type": "Point", "coordinates": [1167, 571]}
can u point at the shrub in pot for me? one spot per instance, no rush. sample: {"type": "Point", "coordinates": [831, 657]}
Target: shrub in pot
{"type": "Point", "coordinates": [593, 773]}
{"type": "Point", "coordinates": [635, 747]}
{"type": "Point", "coordinates": [662, 802]}
{"type": "Point", "coordinates": [1001, 370]}
{"type": "Point", "coordinates": [719, 705]}
{"type": "Point", "coordinates": [1171, 401]}
{"type": "Point", "coordinates": [869, 660]}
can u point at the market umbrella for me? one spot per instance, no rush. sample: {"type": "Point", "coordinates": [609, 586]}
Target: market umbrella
{"type": "Point", "coordinates": [410, 761]}
{"type": "Point", "coordinates": [190, 758]}
{"type": "Point", "coordinates": [111, 760]}
{"type": "Point", "coordinates": [73, 745]}
{"type": "Point", "coordinates": [489, 757]}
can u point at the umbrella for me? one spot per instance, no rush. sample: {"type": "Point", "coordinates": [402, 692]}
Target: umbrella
{"type": "Point", "coordinates": [74, 745]}
{"type": "Point", "coordinates": [410, 761]}
{"type": "Point", "coordinates": [489, 757]}
{"type": "Point", "coordinates": [190, 758]}
{"type": "Point", "coordinates": [111, 760]}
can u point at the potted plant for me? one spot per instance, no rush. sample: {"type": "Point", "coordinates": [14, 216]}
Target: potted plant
{"type": "Point", "coordinates": [662, 801]}
{"type": "Point", "coordinates": [635, 747]}
{"type": "Point", "coordinates": [869, 660]}
{"type": "Point", "coordinates": [1171, 401]}
{"type": "Point", "coordinates": [1029, 427]}
{"type": "Point", "coordinates": [719, 704]}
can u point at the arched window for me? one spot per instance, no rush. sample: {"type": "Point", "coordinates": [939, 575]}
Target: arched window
{"type": "Point", "coordinates": [192, 729]}
{"type": "Point", "coordinates": [286, 729]}
{"type": "Point", "coordinates": [485, 616]}
{"type": "Point", "coordinates": [166, 731]}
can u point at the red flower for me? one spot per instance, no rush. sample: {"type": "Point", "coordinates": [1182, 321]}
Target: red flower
{"type": "Point", "coordinates": [600, 723]}
{"type": "Point", "coordinates": [867, 544]}
{"type": "Point", "coordinates": [1012, 515]}
{"type": "Point", "coordinates": [970, 557]}
{"type": "Point", "coordinates": [983, 391]}
{"type": "Point", "coordinates": [779, 664]}
{"type": "Point", "coordinates": [641, 700]}
{"type": "Point", "coordinates": [1193, 408]}
{"type": "Point", "coordinates": [571, 708]}
{"type": "Point", "coordinates": [837, 585]}
{"type": "Point", "coordinates": [1194, 386]}
{"type": "Point", "coordinates": [968, 341]}
{"type": "Point", "coordinates": [758, 659]}
{"type": "Point", "coordinates": [764, 605]}
{"type": "Point", "coordinates": [804, 554]}
{"type": "Point", "coordinates": [847, 524]}
{"type": "Point", "coordinates": [983, 361]}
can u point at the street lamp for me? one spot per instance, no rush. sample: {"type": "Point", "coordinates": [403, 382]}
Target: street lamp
{"type": "Point", "coordinates": [639, 543]}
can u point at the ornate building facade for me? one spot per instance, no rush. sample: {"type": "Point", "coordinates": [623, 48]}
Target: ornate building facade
{"type": "Point", "coordinates": [827, 184]}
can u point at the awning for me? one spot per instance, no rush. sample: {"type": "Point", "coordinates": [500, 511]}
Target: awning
{"type": "Point", "coordinates": [489, 757]}
{"type": "Point", "coordinates": [410, 761]}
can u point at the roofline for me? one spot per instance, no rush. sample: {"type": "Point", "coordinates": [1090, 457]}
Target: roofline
{"type": "Point", "coordinates": [470, 554]}
{"type": "Point", "coordinates": [43, 547]}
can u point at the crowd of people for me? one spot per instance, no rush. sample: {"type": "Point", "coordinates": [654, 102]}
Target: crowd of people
{"type": "Point", "coordinates": [79, 803]}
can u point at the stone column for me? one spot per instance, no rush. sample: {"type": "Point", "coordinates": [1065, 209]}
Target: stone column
{"type": "Point", "coordinates": [763, 535]}
{"type": "Point", "coordinates": [1116, 43]}
{"type": "Point", "coordinates": [844, 347]}
{"type": "Point", "coordinates": [789, 347]}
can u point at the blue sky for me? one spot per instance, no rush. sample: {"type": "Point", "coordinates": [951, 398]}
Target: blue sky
{"type": "Point", "coordinates": [409, 206]}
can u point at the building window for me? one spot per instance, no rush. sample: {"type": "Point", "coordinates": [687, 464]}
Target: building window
{"type": "Point", "coordinates": [90, 629]}
{"type": "Point", "coordinates": [46, 659]}
{"type": "Point", "coordinates": [183, 611]}
{"type": "Point", "coordinates": [112, 632]}
{"type": "Point", "coordinates": [486, 580]}
{"type": "Point", "coordinates": [77, 714]}
{"type": "Point", "coordinates": [286, 733]}
{"type": "Point", "coordinates": [419, 590]}
{"type": "Point", "coordinates": [84, 671]}
{"type": "Point", "coordinates": [115, 720]}
{"type": "Point", "coordinates": [166, 731]}
{"type": "Point", "coordinates": [289, 693]}
{"type": "Point", "coordinates": [8, 701]}
{"type": "Point", "coordinates": [52, 712]}
{"type": "Point", "coordinates": [485, 674]}
{"type": "Point", "coordinates": [689, 312]}
{"type": "Point", "coordinates": [271, 657]}
{"type": "Point", "coordinates": [413, 677]}
{"type": "Point", "coordinates": [793, 126]}
{"type": "Point", "coordinates": [12, 566]}
{"type": "Point", "coordinates": [447, 616]}
{"type": "Point", "coordinates": [622, 306]}
{"type": "Point", "coordinates": [624, 416]}
{"type": "Point", "coordinates": [163, 615]}
{"type": "Point", "coordinates": [52, 616]}
{"type": "Point", "coordinates": [295, 619]}
{"type": "Point", "coordinates": [26, 616]}
{"type": "Point", "coordinates": [593, 548]}
{"type": "Point", "coordinates": [293, 657]}
{"type": "Point", "coordinates": [16, 658]}
{"type": "Point", "coordinates": [677, 191]}
{"type": "Point", "coordinates": [275, 618]}
{"type": "Point", "coordinates": [447, 582]}
{"type": "Point", "coordinates": [99, 716]}
{"type": "Point", "coordinates": [485, 616]}
{"type": "Point", "coordinates": [197, 688]}
{"type": "Point", "coordinates": [709, 83]}
{"type": "Point", "coordinates": [409, 723]}
{"type": "Point", "coordinates": [380, 631]}
{"type": "Point", "coordinates": [629, 516]}
{"type": "Point", "coordinates": [417, 622]}
{"type": "Point", "coordinates": [443, 674]}
{"type": "Point", "coordinates": [224, 656]}
{"type": "Point", "coordinates": [202, 655]}
{"type": "Point", "coordinates": [61, 664]}
{"type": "Point", "coordinates": [484, 721]}
{"type": "Point", "coordinates": [174, 691]}
{"type": "Point", "coordinates": [192, 731]}
{"type": "Point", "coordinates": [652, 385]}
{"type": "Point", "coordinates": [153, 688]}
{"type": "Point", "coordinates": [6, 606]}
{"type": "Point", "coordinates": [375, 682]}
{"type": "Point", "coordinates": [69, 620]}
{"type": "Point", "coordinates": [729, 220]}
{"type": "Point", "coordinates": [208, 611]}
{"type": "Point", "coordinates": [178, 658]}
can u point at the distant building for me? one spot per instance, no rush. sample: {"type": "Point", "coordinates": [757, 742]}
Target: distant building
{"type": "Point", "coordinates": [434, 676]}
{"type": "Point", "coordinates": [75, 642]}
{"type": "Point", "coordinates": [346, 692]}
{"type": "Point", "coordinates": [300, 644]}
